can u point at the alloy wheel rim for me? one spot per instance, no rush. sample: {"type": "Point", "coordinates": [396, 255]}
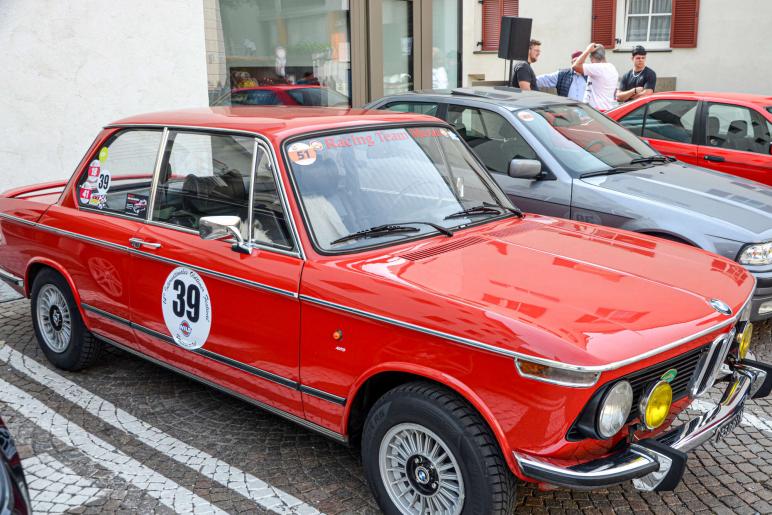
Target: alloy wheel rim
{"type": "Point", "coordinates": [419, 472]}
{"type": "Point", "coordinates": [54, 318]}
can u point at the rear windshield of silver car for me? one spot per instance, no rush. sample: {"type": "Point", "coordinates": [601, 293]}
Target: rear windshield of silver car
{"type": "Point", "coordinates": [582, 139]}
{"type": "Point", "coordinates": [356, 181]}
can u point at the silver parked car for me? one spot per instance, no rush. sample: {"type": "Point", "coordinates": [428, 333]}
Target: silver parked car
{"type": "Point", "coordinates": [557, 157]}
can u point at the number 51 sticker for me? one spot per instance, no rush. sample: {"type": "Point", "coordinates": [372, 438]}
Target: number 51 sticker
{"type": "Point", "coordinates": [187, 308]}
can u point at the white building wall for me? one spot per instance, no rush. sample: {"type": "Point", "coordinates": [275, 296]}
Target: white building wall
{"type": "Point", "coordinates": [733, 51]}
{"type": "Point", "coordinates": [69, 68]}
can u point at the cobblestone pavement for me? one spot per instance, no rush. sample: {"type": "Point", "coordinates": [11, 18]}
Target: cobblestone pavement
{"type": "Point", "coordinates": [129, 436]}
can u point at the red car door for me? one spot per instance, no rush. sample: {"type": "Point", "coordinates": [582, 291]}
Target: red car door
{"type": "Point", "coordinates": [92, 229]}
{"type": "Point", "coordinates": [737, 142]}
{"type": "Point", "coordinates": [228, 317]}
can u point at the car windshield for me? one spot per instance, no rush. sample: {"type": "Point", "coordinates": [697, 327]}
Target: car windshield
{"type": "Point", "coordinates": [389, 185]}
{"type": "Point", "coordinates": [582, 139]}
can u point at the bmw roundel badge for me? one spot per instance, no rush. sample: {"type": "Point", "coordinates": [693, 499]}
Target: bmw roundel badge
{"type": "Point", "coordinates": [720, 306]}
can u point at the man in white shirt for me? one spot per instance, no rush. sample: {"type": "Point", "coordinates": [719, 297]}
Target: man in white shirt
{"type": "Point", "coordinates": [602, 77]}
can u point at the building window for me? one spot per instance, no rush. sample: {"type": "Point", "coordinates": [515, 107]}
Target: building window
{"type": "Point", "coordinates": [647, 22]}
{"type": "Point", "coordinates": [492, 11]}
{"type": "Point", "coordinates": [261, 51]}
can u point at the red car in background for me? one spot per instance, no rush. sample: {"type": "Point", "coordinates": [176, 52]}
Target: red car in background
{"type": "Point", "coordinates": [283, 94]}
{"type": "Point", "coordinates": [727, 132]}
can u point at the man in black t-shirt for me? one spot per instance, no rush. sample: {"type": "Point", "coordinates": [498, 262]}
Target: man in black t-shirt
{"type": "Point", "coordinates": [638, 82]}
{"type": "Point", "coordinates": [522, 73]}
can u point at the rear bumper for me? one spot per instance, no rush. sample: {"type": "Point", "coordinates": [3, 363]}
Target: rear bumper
{"type": "Point", "coordinates": [658, 463]}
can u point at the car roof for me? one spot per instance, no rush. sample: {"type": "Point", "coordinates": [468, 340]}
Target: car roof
{"type": "Point", "coordinates": [277, 122]}
{"type": "Point", "coordinates": [512, 98]}
{"type": "Point", "coordinates": [764, 101]}
{"type": "Point", "coordinates": [277, 87]}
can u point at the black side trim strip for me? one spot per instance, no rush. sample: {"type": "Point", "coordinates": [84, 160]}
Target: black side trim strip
{"type": "Point", "coordinates": [276, 411]}
{"type": "Point", "coordinates": [323, 395]}
{"type": "Point", "coordinates": [263, 374]}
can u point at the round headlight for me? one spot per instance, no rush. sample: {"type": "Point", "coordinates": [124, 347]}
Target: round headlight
{"type": "Point", "coordinates": [614, 409]}
{"type": "Point", "coordinates": [655, 405]}
{"type": "Point", "coordinates": [745, 340]}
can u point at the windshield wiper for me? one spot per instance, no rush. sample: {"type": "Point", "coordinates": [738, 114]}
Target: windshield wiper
{"type": "Point", "coordinates": [659, 158]}
{"type": "Point", "coordinates": [380, 230]}
{"type": "Point", "coordinates": [484, 209]}
{"type": "Point", "coordinates": [609, 171]}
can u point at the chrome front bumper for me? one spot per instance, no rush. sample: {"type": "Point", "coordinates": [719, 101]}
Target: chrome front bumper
{"type": "Point", "coordinates": [658, 463]}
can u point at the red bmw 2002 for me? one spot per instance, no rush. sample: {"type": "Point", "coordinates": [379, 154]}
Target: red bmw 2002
{"type": "Point", "coordinates": [361, 274]}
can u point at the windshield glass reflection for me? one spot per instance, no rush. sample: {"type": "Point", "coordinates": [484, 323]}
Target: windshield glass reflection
{"type": "Point", "coordinates": [582, 139]}
{"type": "Point", "coordinates": [360, 181]}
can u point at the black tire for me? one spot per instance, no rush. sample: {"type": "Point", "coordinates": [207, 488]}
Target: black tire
{"type": "Point", "coordinates": [488, 484]}
{"type": "Point", "coordinates": [69, 350]}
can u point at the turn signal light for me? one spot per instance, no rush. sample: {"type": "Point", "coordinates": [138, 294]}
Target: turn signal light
{"type": "Point", "coordinates": [655, 405]}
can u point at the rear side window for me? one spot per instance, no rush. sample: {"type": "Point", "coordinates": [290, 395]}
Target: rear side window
{"type": "Point", "coordinates": [670, 120]}
{"type": "Point", "coordinates": [737, 128]}
{"type": "Point", "coordinates": [118, 178]}
{"type": "Point", "coordinates": [318, 97]}
{"type": "Point", "coordinates": [414, 107]}
{"type": "Point", "coordinates": [633, 121]}
{"type": "Point", "coordinates": [253, 97]}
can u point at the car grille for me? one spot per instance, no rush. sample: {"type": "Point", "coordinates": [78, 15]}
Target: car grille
{"type": "Point", "coordinates": [685, 365]}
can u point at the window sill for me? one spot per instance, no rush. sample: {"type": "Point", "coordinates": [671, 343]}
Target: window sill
{"type": "Point", "coordinates": [629, 50]}
{"type": "Point", "coordinates": [485, 52]}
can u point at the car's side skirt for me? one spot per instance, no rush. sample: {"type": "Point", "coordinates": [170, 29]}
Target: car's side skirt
{"type": "Point", "coordinates": [305, 423]}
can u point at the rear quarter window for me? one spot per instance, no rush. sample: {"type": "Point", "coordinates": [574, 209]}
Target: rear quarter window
{"type": "Point", "coordinates": [118, 177]}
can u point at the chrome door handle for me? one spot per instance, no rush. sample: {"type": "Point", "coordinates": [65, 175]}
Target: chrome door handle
{"type": "Point", "coordinates": [137, 243]}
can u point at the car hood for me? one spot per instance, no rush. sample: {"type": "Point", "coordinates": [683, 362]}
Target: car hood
{"type": "Point", "coordinates": [556, 289]}
{"type": "Point", "coordinates": [742, 203]}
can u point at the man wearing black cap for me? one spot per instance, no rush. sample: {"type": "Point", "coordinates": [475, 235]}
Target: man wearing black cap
{"type": "Point", "coordinates": [638, 82]}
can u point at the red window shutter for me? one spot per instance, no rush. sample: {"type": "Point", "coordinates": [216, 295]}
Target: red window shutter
{"type": "Point", "coordinates": [604, 21]}
{"type": "Point", "coordinates": [492, 11]}
{"type": "Point", "coordinates": [683, 24]}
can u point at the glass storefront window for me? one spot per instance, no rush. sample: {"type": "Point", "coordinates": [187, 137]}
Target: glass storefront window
{"type": "Point", "coordinates": [397, 46]}
{"type": "Point", "coordinates": [446, 53]}
{"type": "Point", "coordinates": [272, 52]}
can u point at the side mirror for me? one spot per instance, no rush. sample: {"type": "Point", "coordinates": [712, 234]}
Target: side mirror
{"type": "Point", "coordinates": [216, 227]}
{"type": "Point", "coordinates": [524, 168]}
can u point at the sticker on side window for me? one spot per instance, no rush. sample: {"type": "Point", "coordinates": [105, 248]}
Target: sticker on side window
{"type": "Point", "coordinates": [103, 182]}
{"type": "Point", "coordinates": [301, 154]}
{"type": "Point", "coordinates": [103, 155]}
{"type": "Point", "coordinates": [136, 204]}
{"type": "Point", "coordinates": [187, 308]}
{"type": "Point", "coordinates": [85, 195]}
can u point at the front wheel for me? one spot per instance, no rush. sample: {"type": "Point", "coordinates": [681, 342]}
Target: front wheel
{"type": "Point", "coordinates": [59, 329]}
{"type": "Point", "coordinates": [425, 450]}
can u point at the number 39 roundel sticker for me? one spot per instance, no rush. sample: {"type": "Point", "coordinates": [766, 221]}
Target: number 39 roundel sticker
{"type": "Point", "coordinates": [187, 308]}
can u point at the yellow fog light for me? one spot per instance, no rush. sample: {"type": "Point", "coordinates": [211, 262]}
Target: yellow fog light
{"type": "Point", "coordinates": [655, 405]}
{"type": "Point", "coordinates": [744, 338]}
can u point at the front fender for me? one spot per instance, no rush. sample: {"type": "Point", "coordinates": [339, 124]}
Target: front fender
{"type": "Point", "coordinates": [444, 379]}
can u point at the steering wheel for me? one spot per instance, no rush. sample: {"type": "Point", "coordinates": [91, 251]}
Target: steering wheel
{"type": "Point", "coordinates": [592, 144]}
{"type": "Point", "coordinates": [431, 204]}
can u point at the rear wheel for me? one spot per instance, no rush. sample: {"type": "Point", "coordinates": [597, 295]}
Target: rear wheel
{"type": "Point", "coordinates": [425, 450]}
{"type": "Point", "coordinates": [59, 328]}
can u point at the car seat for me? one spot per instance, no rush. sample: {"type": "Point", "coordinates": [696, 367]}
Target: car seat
{"type": "Point", "coordinates": [713, 128]}
{"type": "Point", "coordinates": [319, 185]}
{"type": "Point", "coordinates": [215, 195]}
{"type": "Point", "coordinates": [737, 135]}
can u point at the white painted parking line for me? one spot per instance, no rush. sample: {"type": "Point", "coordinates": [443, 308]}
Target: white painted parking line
{"type": "Point", "coordinates": [251, 487]}
{"type": "Point", "coordinates": [749, 419]}
{"type": "Point", "coordinates": [54, 487]}
{"type": "Point", "coordinates": [168, 492]}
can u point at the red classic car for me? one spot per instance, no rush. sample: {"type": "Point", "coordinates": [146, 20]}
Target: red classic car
{"type": "Point", "coordinates": [728, 132]}
{"type": "Point", "coordinates": [361, 274]}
